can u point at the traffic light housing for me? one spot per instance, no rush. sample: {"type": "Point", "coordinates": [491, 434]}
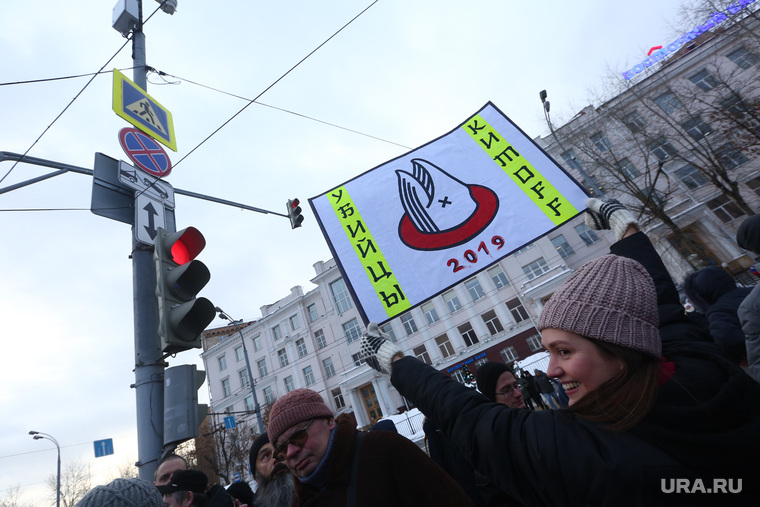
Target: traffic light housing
{"type": "Point", "coordinates": [182, 413]}
{"type": "Point", "coordinates": [179, 278]}
{"type": "Point", "coordinates": [294, 213]}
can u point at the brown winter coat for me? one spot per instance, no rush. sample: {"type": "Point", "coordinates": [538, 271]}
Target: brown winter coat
{"type": "Point", "coordinates": [393, 471]}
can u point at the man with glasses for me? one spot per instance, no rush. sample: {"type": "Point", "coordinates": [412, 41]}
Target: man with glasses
{"type": "Point", "coordinates": [497, 382]}
{"type": "Point", "coordinates": [334, 464]}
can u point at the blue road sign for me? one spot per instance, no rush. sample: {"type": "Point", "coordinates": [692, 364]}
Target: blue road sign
{"type": "Point", "coordinates": [103, 447]}
{"type": "Point", "coordinates": [229, 422]}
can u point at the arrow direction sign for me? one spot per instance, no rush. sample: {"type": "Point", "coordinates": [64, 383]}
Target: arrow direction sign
{"type": "Point", "coordinates": [103, 447]}
{"type": "Point", "coordinates": [144, 183]}
{"type": "Point", "coordinates": [149, 216]}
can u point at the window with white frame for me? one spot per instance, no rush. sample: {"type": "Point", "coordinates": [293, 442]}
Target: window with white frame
{"type": "Point", "coordinates": [743, 58]}
{"type": "Point", "coordinates": [409, 325]}
{"type": "Point", "coordinates": [308, 376]}
{"type": "Point", "coordinates": [480, 362]}
{"type": "Point", "coordinates": [518, 311]}
{"type": "Point", "coordinates": [268, 395]}
{"type": "Point", "coordinates": [249, 403]}
{"type": "Point", "coordinates": [421, 353]}
{"type": "Point", "coordinates": [492, 322]}
{"type": "Point", "coordinates": [313, 314]}
{"type": "Point", "coordinates": [468, 334]}
{"type": "Point", "coordinates": [736, 106]}
{"type": "Point", "coordinates": [509, 354]}
{"type": "Point", "coordinates": [634, 122]}
{"type": "Point", "coordinates": [282, 355]}
{"type": "Point", "coordinates": [388, 329]}
{"type": "Point", "coordinates": [725, 209]}
{"type": "Point", "coordinates": [498, 276]}
{"type": "Point", "coordinates": [628, 170]}
{"type": "Point", "coordinates": [662, 149]}
{"type": "Point", "coordinates": [668, 102]}
{"type": "Point", "coordinates": [691, 176]}
{"type": "Point", "coordinates": [600, 141]}
{"type": "Point", "coordinates": [295, 322]}
{"type": "Point", "coordinates": [226, 390]}
{"type": "Point", "coordinates": [341, 296]}
{"type": "Point", "coordinates": [445, 346]}
{"type": "Point", "coordinates": [289, 384]}
{"type": "Point", "coordinates": [257, 343]}
{"type": "Point", "coordinates": [239, 353]}
{"type": "Point", "coordinates": [329, 368]}
{"type": "Point", "coordinates": [730, 156]}
{"type": "Point", "coordinates": [587, 235]}
{"type": "Point", "coordinates": [431, 314]}
{"type": "Point", "coordinates": [222, 363]}
{"type": "Point", "coordinates": [358, 359]}
{"type": "Point", "coordinates": [452, 301]}
{"type": "Point", "coordinates": [697, 128]}
{"type": "Point", "coordinates": [301, 347]}
{"type": "Point", "coordinates": [338, 399]}
{"type": "Point", "coordinates": [277, 332]}
{"type": "Point", "coordinates": [458, 376]}
{"type": "Point", "coordinates": [352, 330]}
{"type": "Point", "coordinates": [262, 364]}
{"type": "Point", "coordinates": [244, 380]}
{"type": "Point", "coordinates": [534, 342]}
{"type": "Point", "coordinates": [536, 268]}
{"type": "Point", "coordinates": [704, 80]}
{"type": "Point", "coordinates": [474, 288]}
{"type": "Point", "coordinates": [571, 160]}
{"type": "Point", "coordinates": [562, 246]}
{"type": "Point", "coordinates": [319, 335]}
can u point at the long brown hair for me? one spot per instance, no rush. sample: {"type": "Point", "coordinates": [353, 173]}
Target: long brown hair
{"type": "Point", "coordinates": [625, 399]}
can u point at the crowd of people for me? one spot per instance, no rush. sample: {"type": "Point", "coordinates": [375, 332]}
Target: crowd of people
{"type": "Point", "coordinates": [640, 404]}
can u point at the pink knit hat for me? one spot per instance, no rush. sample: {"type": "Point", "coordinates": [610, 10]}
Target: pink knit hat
{"type": "Point", "coordinates": [611, 299]}
{"type": "Point", "coordinates": [296, 406]}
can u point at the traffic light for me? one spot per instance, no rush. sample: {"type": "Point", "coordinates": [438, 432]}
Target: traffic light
{"type": "Point", "coordinates": [179, 278]}
{"type": "Point", "coordinates": [294, 213]}
{"type": "Point", "coordinates": [182, 413]}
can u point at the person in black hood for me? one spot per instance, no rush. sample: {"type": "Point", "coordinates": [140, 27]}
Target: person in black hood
{"type": "Point", "coordinates": [748, 237]}
{"type": "Point", "coordinates": [714, 293]}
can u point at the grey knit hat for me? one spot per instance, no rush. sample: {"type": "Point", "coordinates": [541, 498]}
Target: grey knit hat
{"type": "Point", "coordinates": [123, 493]}
{"type": "Point", "coordinates": [296, 406]}
{"type": "Point", "coordinates": [611, 299]}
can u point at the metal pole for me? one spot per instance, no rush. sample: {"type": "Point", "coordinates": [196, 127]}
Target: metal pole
{"type": "Point", "coordinates": [39, 435]}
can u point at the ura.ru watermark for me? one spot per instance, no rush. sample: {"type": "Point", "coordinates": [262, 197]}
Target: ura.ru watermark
{"type": "Point", "coordinates": [701, 486]}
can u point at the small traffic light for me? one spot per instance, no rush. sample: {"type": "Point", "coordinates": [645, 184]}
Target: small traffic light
{"type": "Point", "coordinates": [179, 278]}
{"type": "Point", "coordinates": [294, 213]}
{"type": "Point", "coordinates": [182, 413]}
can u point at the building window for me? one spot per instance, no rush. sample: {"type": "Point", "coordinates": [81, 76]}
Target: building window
{"type": "Point", "coordinates": [498, 276]}
{"type": "Point", "coordinates": [421, 353]}
{"type": "Point", "coordinates": [735, 106]}
{"type": "Point", "coordinates": [341, 296]}
{"type": "Point", "coordinates": [492, 322]}
{"type": "Point", "coordinates": [313, 315]}
{"type": "Point", "coordinates": [534, 342]}
{"type": "Point", "coordinates": [226, 391]}
{"type": "Point", "coordinates": [628, 169]}
{"type": "Point", "coordinates": [725, 209]}
{"type": "Point", "coordinates": [444, 344]}
{"type": "Point", "coordinates": [262, 364]}
{"type": "Point", "coordinates": [338, 399]}
{"type": "Point", "coordinates": [329, 368]}
{"type": "Point", "coordinates": [480, 362]}
{"type": "Point", "coordinates": [268, 395]}
{"type": "Point", "coordinates": [458, 376]}
{"type": "Point", "coordinates": [244, 380]}
{"type": "Point", "coordinates": [388, 329]}
{"type": "Point", "coordinates": [743, 58]}
{"type": "Point", "coordinates": [668, 102]}
{"type": "Point", "coordinates": [704, 80]}
{"type": "Point", "coordinates": [562, 246]}
{"type": "Point", "coordinates": [730, 157]}
{"type": "Point", "coordinates": [249, 403]}
{"type": "Point", "coordinates": [277, 332]}
{"type": "Point", "coordinates": [295, 322]}
{"type": "Point", "coordinates": [635, 122]}
{"type": "Point", "coordinates": [476, 291]}
{"type": "Point", "coordinates": [431, 314]}
{"type": "Point", "coordinates": [536, 268]}
{"type": "Point", "coordinates": [222, 363]}
{"type": "Point", "coordinates": [571, 160]}
{"type": "Point", "coordinates": [697, 128]}
{"type": "Point", "coordinates": [358, 359]}
{"type": "Point", "coordinates": [468, 334]}
{"type": "Point", "coordinates": [409, 325]}
{"type": "Point", "coordinates": [654, 195]}
{"type": "Point", "coordinates": [257, 343]}
{"type": "Point", "coordinates": [754, 185]}
{"type": "Point", "coordinates": [600, 141]}
{"type": "Point", "coordinates": [452, 301]}
{"type": "Point", "coordinates": [289, 385]}
{"type": "Point", "coordinates": [518, 311]}
{"type": "Point", "coordinates": [691, 176]}
{"type": "Point", "coordinates": [320, 337]}
{"type": "Point", "coordinates": [662, 149]}
{"type": "Point", "coordinates": [587, 235]}
{"type": "Point", "coordinates": [283, 357]}
{"type": "Point", "coordinates": [308, 376]}
{"type": "Point", "coordinates": [301, 347]}
{"type": "Point", "coordinates": [509, 354]}
{"type": "Point", "coordinates": [524, 249]}
{"type": "Point", "coordinates": [352, 330]}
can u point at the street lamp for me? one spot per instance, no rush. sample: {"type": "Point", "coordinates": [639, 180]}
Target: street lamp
{"type": "Point", "coordinates": [256, 409]}
{"type": "Point", "coordinates": [595, 190]}
{"type": "Point", "coordinates": [37, 436]}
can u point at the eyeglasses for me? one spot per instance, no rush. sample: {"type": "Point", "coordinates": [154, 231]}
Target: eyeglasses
{"type": "Point", "coordinates": [297, 438]}
{"type": "Point", "coordinates": [509, 391]}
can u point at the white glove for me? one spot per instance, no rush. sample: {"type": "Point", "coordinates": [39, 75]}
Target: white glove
{"type": "Point", "coordinates": [377, 349]}
{"type": "Point", "coordinates": [608, 214]}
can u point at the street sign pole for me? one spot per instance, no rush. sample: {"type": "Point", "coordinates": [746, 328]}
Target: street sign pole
{"type": "Point", "coordinates": [149, 365]}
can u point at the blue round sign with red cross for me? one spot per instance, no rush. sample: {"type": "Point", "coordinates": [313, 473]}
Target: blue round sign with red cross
{"type": "Point", "coordinates": [145, 152]}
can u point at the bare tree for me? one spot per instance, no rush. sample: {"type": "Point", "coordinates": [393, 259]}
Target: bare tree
{"type": "Point", "coordinates": [75, 483]}
{"type": "Point", "coordinates": [12, 498]}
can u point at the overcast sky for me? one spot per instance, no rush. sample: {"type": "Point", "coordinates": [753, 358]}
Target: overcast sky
{"type": "Point", "coordinates": [402, 74]}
